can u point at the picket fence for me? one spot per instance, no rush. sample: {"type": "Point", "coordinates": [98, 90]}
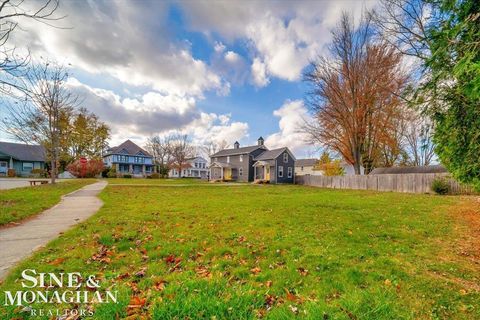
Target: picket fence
{"type": "Point", "coordinates": [408, 182]}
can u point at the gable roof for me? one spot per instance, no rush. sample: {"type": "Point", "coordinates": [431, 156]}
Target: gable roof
{"type": "Point", "coordinates": [230, 152]}
{"type": "Point", "coordinates": [22, 151]}
{"type": "Point", "coordinates": [131, 149]}
{"type": "Point", "coordinates": [306, 162]}
{"type": "Point", "coordinates": [272, 154]}
{"type": "Point", "coordinates": [399, 170]}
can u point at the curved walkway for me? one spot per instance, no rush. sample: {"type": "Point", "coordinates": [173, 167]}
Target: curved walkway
{"type": "Point", "coordinates": [17, 243]}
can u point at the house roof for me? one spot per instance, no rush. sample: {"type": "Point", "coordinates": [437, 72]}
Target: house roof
{"type": "Point", "coordinates": [399, 170]}
{"type": "Point", "coordinates": [305, 162]}
{"type": "Point", "coordinates": [230, 152]}
{"type": "Point", "coordinates": [131, 148]}
{"type": "Point", "coordinates": [22, 151]}
{"type": "Point", "coordinates": [272, 154]}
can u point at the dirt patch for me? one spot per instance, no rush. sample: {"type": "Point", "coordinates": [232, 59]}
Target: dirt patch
{"type": "Point", "coordinates": [467, 212]}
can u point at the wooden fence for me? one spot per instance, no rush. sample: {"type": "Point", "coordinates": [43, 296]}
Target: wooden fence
{"type": "Point", "coordinates": [411, 182]}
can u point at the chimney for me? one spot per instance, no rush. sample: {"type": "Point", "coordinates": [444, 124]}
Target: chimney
{"type": "Point", "coordinates": [236, 145]}
{"type": "Point", "coordinates": [260, 141]}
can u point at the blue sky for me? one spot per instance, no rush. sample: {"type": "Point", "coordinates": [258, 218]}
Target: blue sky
{"type": "Point", "coordinates": [215, 70]}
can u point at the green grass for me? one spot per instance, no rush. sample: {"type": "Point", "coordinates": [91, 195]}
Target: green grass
{"type": "Point", "coordinates": [17, 204]}
{"type": "Point", "coordinates": [183, 181]}
{"type": "Point", "coordinates": [276, 252]}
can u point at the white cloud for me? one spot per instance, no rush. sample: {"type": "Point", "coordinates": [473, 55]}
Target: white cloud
{"type": "Point", "coordinates": [155, 113]}
{"type": "Point", "coordinates": [125, 40]}
{"type": "Point", "coordinates": [283, 36]}
{"type": "Point", "coordinates": [292, 115]}
{"type": "Point", "coordinates": [259, 73]}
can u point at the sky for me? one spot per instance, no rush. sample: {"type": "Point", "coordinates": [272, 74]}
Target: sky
{"type": "Point", "coordinates": [215, 70]}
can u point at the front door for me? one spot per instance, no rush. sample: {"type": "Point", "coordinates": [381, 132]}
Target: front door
{"type": "Point", "coordinates": [228, 174]}
{"type": "Point", "coordinates": [267, 173]}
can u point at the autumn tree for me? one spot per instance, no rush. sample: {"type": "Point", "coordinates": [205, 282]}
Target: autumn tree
{"type": "Point", "coordinates": [181, 151]}
{"type": "Point", "coordinates": [328, 166]}
{"type": "Point", "coordinates": [84, 135]}
{"type": "Point", "coordinates": [39, 115]}
{"type": "Point", "coordinates": [355, 95]}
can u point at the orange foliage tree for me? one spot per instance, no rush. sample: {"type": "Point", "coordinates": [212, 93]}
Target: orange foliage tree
{"type": "Point", "coordinates": [355, 97]}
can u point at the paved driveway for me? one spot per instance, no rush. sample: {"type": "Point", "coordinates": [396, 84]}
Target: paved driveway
{"type": "Point", "coordinates": [11, 183]}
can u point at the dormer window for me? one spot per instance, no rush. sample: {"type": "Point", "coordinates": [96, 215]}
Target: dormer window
{"type": "Point", "coordinates": [285, 157]}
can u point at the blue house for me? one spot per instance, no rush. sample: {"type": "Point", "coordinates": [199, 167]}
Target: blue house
{"type": "Point", "coordinates": [129, 158]}
{"type": "Point", "coordinates": [22, 158]}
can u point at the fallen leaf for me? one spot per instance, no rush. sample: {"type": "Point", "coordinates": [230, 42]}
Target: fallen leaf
{"type": "Point", "coordinates": [388, 282]}
{"type": "Point", "coordinates": [255, 270]}
{"type": "Point", "coordinates": [268, 284]}
{"type": "Point", "coordinates": [302, 271]}
{"type": "Point", "coordinates": [56, 262]}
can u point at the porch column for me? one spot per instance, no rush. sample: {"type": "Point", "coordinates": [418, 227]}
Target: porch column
{"type": "Point", "coordinates": [130, 168]}
{"type": "Point", "coordinates": [117, 167]}
{"type": "Point", "coordinates": [143, 169]}
{"type": "Point", "coordinates": [221, 173]}
{"type": "Point", "coordinates": [254, 173]}
{"type": "Point", "coordinates": [11, 163]}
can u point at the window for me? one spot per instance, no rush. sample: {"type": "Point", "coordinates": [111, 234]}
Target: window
{"type": "Point", "coordinates": [285, 157]}
{"type": "Point", "coordinates": [27, 166]}
{"type": "Point", "coordinates": [290, 172]}
{"type": "Point", "coordinates": [216, 159]}
{"type": "Point", "coordinates": [228, 159]}
{"type": "Point", "coordinates": [240, 172]}
{"type": "Point", "coordinates": [280, 171]}
{"type": "Point", "coordinates": [241, 158]}
{"type": "Point", "coordinates": [301, 168]}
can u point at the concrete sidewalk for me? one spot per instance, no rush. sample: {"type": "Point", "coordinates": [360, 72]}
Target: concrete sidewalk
{"type": "Point", "coordinates": [17, 243]}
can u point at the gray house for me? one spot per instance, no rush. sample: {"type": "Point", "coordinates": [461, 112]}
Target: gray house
{"type": "Point", "coordinates": [22, 158]}
{"type": "Point", "coordinates": [253, 163]}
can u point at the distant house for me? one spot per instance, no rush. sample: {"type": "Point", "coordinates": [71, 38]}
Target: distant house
{"type": "Point", "coordinates": [437, 168]}
{"type": "Point", "coordinates": [22, 158]}
{"type": "Point", "coordinates": [197, 168]}
{"type": "Point", "coordinates": [305, 166]}
{"type": "Point", "coordinates": [129, 158]}
{"type": "Point", "coordinates": [253, 163]}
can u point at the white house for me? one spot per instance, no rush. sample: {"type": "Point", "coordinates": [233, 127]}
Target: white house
{"type": "Point", "coordinates": [197, 168]}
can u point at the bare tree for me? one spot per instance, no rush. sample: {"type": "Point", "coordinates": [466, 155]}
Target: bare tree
{"type": "Point", "coordinates": [38, 117]}
{"type": "Point", "coordinates": [211, 147]}
{"type": "Point", "coordinates": [355, 95]}
{"type": "Point", "coordinates": [418, 139]}
{"type": "Point", "coordinates": [12, 13]}
{"type": "Point", "coordinates": [181, 150]}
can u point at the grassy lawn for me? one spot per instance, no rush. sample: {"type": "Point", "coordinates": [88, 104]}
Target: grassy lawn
{"type": "Point", "coordinates": [17, 204]}
{"type": "Point", "coordinates": [182, 181]}
{"type": "Point", "coordinates": [275, 252]}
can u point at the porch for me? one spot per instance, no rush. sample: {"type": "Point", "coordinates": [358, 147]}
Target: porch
{"type": "Point", "coordinates": [264, 170]}
{"type": "Point", "coordinates": [134, 169]}
{"type": "Point", "coordinates": [222, 171]}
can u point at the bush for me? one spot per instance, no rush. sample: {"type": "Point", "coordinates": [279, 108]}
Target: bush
{"type": "Point", "coordinates": [90, 169]}
{"type": "Point", "coordinates": [440, 186]}
{"type": "Point", "coordinates": [11, 173]}
{"type": "Point", "coordinates": [127, 176]}
{"type": "Point", "coordinates": [154, 176]}
{"type": "Point", "coordinates": [105, 172]}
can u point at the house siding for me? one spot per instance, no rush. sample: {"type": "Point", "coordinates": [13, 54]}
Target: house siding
{"type": "Point", "coordinates": [290, 163]}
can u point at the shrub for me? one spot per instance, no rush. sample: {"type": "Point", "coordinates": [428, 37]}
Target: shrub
{"type": "Point", "coordinates": [105, 172]}
{"type": "Point", "coordinates": [440, 186]}
{"type": "Point", "coordinates": [11, 173]}
{"type": "Point", "coordinates": [154, 176]}
{"type": "Point", "coordinates": [39, 172]}
{"type": "Point", "coordinates": [127, 176]}
{"type": "Point", "coordinates": [90, 169]}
